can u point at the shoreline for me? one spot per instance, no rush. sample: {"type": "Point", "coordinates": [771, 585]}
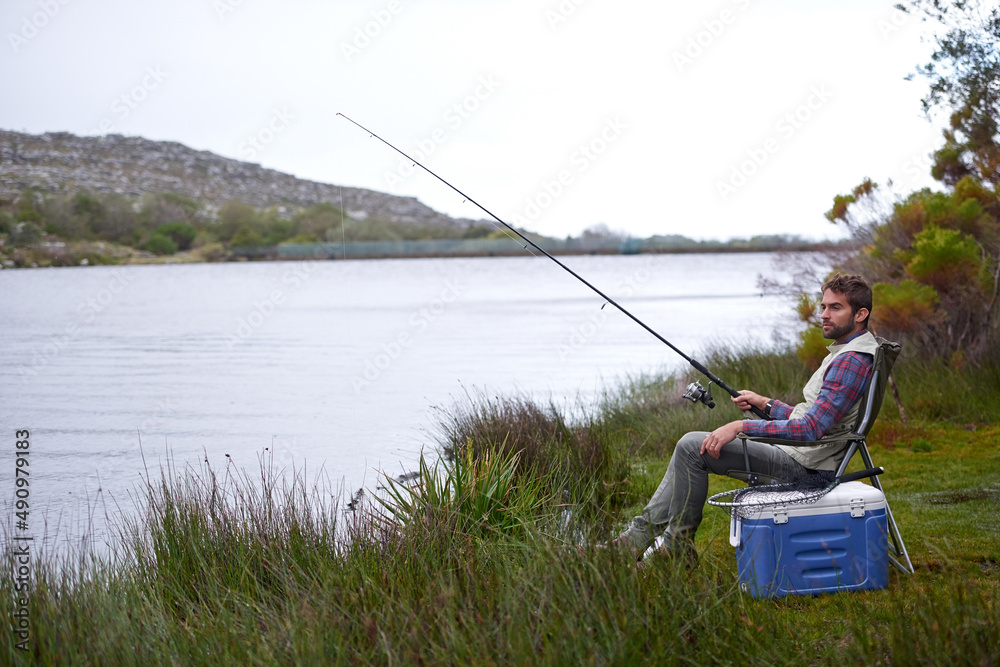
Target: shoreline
{"type": "Point", "coordinates": [54, 254]}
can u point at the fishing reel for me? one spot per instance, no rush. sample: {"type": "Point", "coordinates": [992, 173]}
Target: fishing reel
{"type": "Point", "coordinates": [698, 394]}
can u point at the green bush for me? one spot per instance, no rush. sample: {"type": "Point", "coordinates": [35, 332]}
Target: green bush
{"type": "Point", "coordinates": [26, 234]}
{"type": "Point", "coordinates": [181, 233]}
{"type": "Point", "coordinates": [905, 307]}
{"type": "Point", "coordinates": [944, 258]}
{"type": "Point", "coordinates": [246, 237]}
{"type": "Point", "coordinates": [212, 252]}
{"type": "Point", "coordinates": [158, 244]}
{"type": "Point", "coordinates": [303, 238]}
{"type": "Point", "coordinates": [232, 216]}
{"type": "Point", "coordinates": [164, 207]}
{"type": "Point", "coordinates": [812, 347]}
{"type": "Point", "coordinates": [25, 209]}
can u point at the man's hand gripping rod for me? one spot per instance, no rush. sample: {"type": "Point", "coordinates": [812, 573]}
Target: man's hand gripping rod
{"type": "Point", "coordinates": [695, 392]}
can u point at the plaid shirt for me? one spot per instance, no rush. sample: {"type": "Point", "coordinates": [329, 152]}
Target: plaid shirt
{"type": "Point", "coordinates": [844, 383]}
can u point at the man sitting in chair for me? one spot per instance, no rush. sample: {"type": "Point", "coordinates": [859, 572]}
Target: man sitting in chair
{"type": "Point", "coordinates": [832, 401]}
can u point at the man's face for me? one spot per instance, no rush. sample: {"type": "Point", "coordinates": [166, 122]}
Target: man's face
{"type": "Point", "coordinates": [838, 321]}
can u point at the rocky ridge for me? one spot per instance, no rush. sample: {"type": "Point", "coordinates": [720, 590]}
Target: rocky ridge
{"type": "Point", "coordinates": [134, 166]}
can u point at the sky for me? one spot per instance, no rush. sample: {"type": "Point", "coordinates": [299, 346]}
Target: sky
{"type": "Point", "coordinates": [714, 120]}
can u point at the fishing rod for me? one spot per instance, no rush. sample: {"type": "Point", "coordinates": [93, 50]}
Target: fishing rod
{"type": "Point", "coordinates": [695, 392]}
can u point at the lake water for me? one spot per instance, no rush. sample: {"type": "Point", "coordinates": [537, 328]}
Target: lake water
{"type": "Point", "coordinates": [335, 365]}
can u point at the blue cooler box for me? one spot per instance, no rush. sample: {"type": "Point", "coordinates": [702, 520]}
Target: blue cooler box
{"type": "Point", "coordinates": [838, 543]}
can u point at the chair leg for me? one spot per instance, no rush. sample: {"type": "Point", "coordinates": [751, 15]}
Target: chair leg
{"type": "Point", "coordinates": [897, 550]}
{"type": "Point", "coordinates": [851, 451]}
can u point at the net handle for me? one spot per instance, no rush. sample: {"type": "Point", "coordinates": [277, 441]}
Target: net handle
{"type": "Point", "coordinates": [861, 474]}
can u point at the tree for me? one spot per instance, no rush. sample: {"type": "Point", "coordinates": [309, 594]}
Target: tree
{"type": "Point", "coordinates": [73, 217]}
{"type": "Point", "coordinates": [934, 257]}
{"type": "Point", "coordinates": [317, 220]}
{"type": "Point", "coordinates": [164, 207]}
{"type": "Point", "coordinates": [935, 264]}
{"type": "Point", "coordinates": [118, 222]}
{"type": "Point", "coordinates": [964, 75]}
{"type": "Point", "coordinates": [602, 234]}
{"type": "Point", "coordinates": [233, 215]}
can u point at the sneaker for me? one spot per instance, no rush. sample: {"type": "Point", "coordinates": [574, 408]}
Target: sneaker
{"type": "Point", "coordinates": [621, 543]}
{"type": "Point", "coordinates": [680, 551]}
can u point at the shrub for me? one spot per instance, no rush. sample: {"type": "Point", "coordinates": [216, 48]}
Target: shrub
{"type": "Point", "coordinates": [212, 252]}
{"type": "Point", "coordinates": [158, 244]}
{"type": "Point", "coordinates": [944, 258]}
{"type": "Point", "coordinates": [6, 222]}
{"type": "Point", "coordinates": [812, 347]}
{"type": "Point", "coordinates": [303, 238]}
{"type": "Point", "coordinates": [903, 308]}
{"type": "Point", "coordinates": [233, 215]}
{"type": "Point", "coordinates": [164, 207]}
{"type": "Point", "coordinates": [246, 237]}
{"type": "Point", "coordinates": [181, 233]}
{"type": "Point", "coordinates": [26, 234]}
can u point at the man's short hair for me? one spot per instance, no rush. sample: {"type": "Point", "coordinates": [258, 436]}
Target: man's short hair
{"type": "Point", "coordinates": [856, 289]}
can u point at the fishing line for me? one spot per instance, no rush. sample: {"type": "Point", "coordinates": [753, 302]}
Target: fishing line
{"type": "Point", "coordinates": [695, 391]}
{"type": "Point", "coordinates": [348, 293]}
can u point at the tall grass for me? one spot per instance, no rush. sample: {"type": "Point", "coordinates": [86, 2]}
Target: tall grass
{"type": "Point", "coordinates": [933, 389]}
{"type": "Point", "coordinates": [237, 538]}
{"type": "Point", "coordinates": [581, 465]}
{"type": "Point", "coordinates": [220, 567]}
{"type": "Point", "coordinates": [485, 494]}
{"type": "Point", "coordinates": [423, 592]}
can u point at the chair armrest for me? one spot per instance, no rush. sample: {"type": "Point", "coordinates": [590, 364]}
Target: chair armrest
{"type": "Point", "coordinates": [847, 437]}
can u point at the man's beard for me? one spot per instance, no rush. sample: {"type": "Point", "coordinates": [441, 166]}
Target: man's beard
{"type": "Point", "coordinates": [837, 333]}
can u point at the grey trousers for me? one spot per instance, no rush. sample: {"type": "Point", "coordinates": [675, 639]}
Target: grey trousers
{"type": "Point", "coordinates": [676, 508]}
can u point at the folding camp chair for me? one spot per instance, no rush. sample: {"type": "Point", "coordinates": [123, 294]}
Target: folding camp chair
{"type": "Point", "coordinates": [885, 357]}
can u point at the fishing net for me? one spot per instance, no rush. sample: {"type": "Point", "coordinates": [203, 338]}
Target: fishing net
{"type": "Point", "coordinates": [749, 501]}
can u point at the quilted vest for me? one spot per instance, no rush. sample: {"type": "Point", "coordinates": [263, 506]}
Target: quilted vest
{"type": "Point", "coordinates": [824, 456]}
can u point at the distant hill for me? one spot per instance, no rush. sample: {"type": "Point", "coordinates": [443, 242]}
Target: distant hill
{"type": "Point", "coordinates": [133, 166]}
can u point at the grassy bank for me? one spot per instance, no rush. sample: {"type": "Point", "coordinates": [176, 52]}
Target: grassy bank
{"type": "Point", "coordinates": [482, 566]}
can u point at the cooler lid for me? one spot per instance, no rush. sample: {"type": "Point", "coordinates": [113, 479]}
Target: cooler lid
{"type": "Point", "coordinates": [852, 498]}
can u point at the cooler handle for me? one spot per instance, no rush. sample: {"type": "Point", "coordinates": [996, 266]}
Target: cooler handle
{"type": "Point", "coordinates": [735, 526]}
